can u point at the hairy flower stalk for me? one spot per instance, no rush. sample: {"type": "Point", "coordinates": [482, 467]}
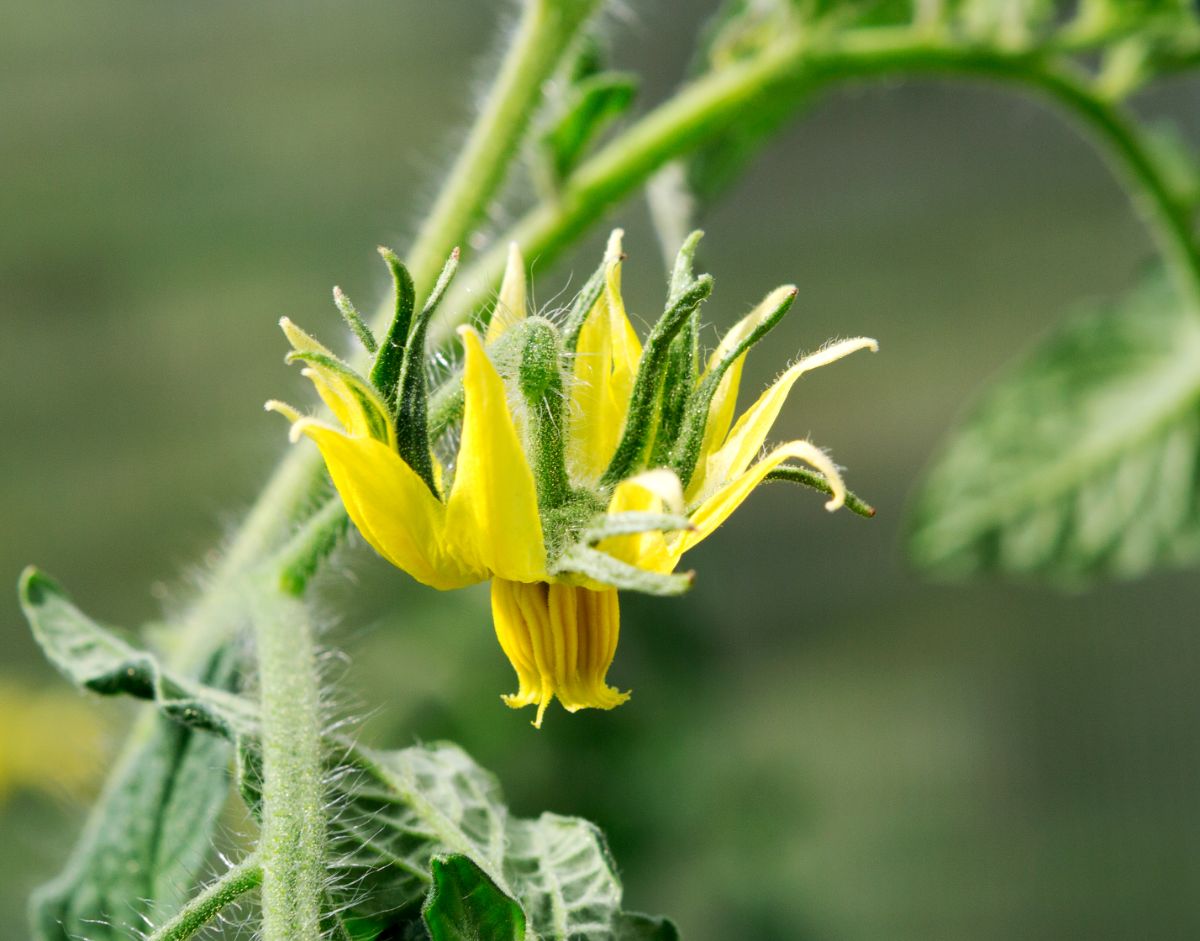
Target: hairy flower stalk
{"type": "Point", "coordinates": [587, 462]}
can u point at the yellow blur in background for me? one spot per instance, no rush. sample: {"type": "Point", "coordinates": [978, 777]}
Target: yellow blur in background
{"type": "Point", "coordinates": [820, 744]}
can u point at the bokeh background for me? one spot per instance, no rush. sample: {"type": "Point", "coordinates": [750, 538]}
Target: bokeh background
{"type": "Point", "coordinates": [821, 744]}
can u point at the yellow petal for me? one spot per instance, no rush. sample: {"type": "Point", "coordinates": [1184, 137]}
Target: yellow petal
{"type": "Point", "coordinates": [391, 506]}
{"type": "Point", "coordinates": [752, 428]}
{"type": "Point", "coordinates": [655, 491]}
{"type": "Point", "coordinates": [724, 401]}
{"type": "Point", "coordinates": [561, 640]}
{"type": "Point", "coordinates": [606, 361]}
{"type": "Point", "coordinates": [510, 303]}
{"type": "Point", "coordinates": [492, 517]}
{"type": "Point", "coordinates": [718, 507]}
{"type": "Point", "coordinates": [356, 405]}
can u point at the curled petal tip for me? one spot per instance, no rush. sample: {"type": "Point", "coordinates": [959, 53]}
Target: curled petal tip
{"type": "Point", "coordinates": [835, 503]}
{"type": "Point", "coordinates": [287, 411]}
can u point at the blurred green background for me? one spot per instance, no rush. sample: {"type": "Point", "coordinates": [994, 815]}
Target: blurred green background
{"type": "Point", "coordinates": [821, 745]}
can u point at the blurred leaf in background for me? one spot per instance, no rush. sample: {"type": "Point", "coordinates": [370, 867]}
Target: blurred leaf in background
{"type": "Point", "coordinates": [910, 761]}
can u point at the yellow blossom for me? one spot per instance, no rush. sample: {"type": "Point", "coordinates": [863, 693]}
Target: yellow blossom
{"type": "Point", "coordinates": [579, 468]}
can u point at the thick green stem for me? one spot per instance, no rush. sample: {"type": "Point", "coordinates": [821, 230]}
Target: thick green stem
{"type": "Point", "coordinates": [200, 910]}
{"type": "Point", "coordinates": [292, 844]}
{"type": "Point", "coordinates": [793, 66]}
{"type": "Point", "coordinates": [545, 30]}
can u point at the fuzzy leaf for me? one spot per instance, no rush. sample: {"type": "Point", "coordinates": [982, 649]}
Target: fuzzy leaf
{"type": "Point", "coordinates": [395, 811]}
{"type": "Point", "coordinates": [465, 905]}
{"type": "Point", "coordinates": [1082, 459]}
{"type": "Point", "coordinates": [150, 834]}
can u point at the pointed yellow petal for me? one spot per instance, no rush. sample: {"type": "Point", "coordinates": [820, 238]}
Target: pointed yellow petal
{"type": "Point", "coordinates": [289, 412]}
{"type": "Point", "coordinates": [391, 506]}
{"type": "Point", "coordinates": [606, 361]}
{"type": "Point", "coordinates": [718, 507]}
{"type": "Point", "coordinates": [752, 428]}
{"type": "Point", "coordinates": [510, 304]}
{"type": "Point", "coordinates": [654, 491]}
{"type": "Point", "coordinates": [492, 515]}
{"type": "Point", "coordinates": [560, 640]}
{"type": "Point", "coordinates": [724, 401]}
{"type": "Point", "coordinates": [351, 399]}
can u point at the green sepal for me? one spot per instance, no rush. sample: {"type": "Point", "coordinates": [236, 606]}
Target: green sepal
{"type": "Point", "coordinates": [464, 904]}
{"type": "Point", "coordinates": [816, 480]}
{"type": "Point", "coordinates": [540, 379]}
{"type": "Point", "coordinates": [682, 277]}
{"type": "Point", "coordinates": [683, 361]}
{"type": "Point", "coordinates": [641, 420]}
{"type": "Point", "coordinates": [412, 412]}
{"type": "Point", "coordinates": [389, 360]}
{"type": "Point", "coordinates": [595, 102]}
{"type": "Point", "coordinates": [358, 386]}
{"type": "Point", "coordinates": [354, 320]}
{"type": "Point", "coordinates": [631, 523]}
{"type": "Point", "coordinates": [584, 301]}
{"type": "Point", "coordinates": [686, 451]}
{"type": "Point", "coordinates": [583, 560]}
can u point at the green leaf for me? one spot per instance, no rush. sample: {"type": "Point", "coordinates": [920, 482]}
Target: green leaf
{"type": "Point", "coordinates": [395, 811]}
{"type": "Point", "coordinates": [564, 877]}
{"type": "Point", "coordinates": [637, 927]}
{"type": "Point", "coordinates": [465, 905]}
{"type": "Point", "coordinates": [595, 102]}
{"type": "Point", "coordinates": [94, 658]}
{"type": "Point", "coordinates": [1080, 461]}
{"type": "Point", "coordinates": [150, 834]}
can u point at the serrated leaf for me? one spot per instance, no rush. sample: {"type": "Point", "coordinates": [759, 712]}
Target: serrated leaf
{"type": "Point", "coordinates": [564, 876]}
{"type": "Point", "coordinates": [465, 905]}
{"type": "Point", "coordinates": [1081, 460]}
{"type": "Point", "coordinates": [149, 835]}
{"type": "Point", "coordinates": [396, 811]}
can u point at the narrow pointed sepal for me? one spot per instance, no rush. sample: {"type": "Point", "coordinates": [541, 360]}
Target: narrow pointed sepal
{"type": "Point", "coordinates": [605, 569]}
{"type": "Point", "coordinates": [709, 410]}
{"type": "Point", "coordinates": [642, 416]}
{"type": "Point", "coordinates": [354, 321]}
{"type": "Point", "coordinates": [389, 359]}
{"type": "Point", "coordinates": [412, 401]}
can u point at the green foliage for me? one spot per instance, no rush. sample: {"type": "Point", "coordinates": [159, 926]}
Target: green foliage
{"type": "Point", "coordinates": [1081, 460]}
{"type": "Point", "coordinates": [393, 814]}
{"type": "Point", "coordinates": [150, 835]}
{"type": "Point", "coordinates": [465, 905]}
{"type": "Point", "coordinates": [593, 104]}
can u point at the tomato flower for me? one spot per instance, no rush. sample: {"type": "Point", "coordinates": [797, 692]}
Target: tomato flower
{"type": "Point", "coordinates": [584, 462]}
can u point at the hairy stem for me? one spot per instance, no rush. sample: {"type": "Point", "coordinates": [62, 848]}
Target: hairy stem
{"type": "Point", "coordinates": [200, 910]}
{"type": "Point", "coordinates": [292, 844]}
{"type": "Point", "coordinates": [792, 66]}
{"type": "Point", "coordinates": [546, 29]}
